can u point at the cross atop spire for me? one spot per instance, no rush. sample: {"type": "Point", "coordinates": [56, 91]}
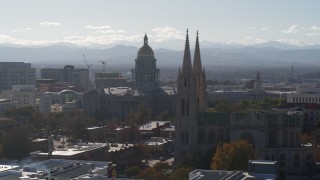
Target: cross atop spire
{"type": "Point", "coordinates": [197, 67]}
{"type": "Point", "coordinates": [186, 66]}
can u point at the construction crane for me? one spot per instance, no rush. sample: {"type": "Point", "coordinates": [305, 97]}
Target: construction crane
{"type": "Point", "coordinates": [85, 59]}
{"type": "Point", "coordinates": [90, 74]}
{"type": "Point", "coordinates": [104, 65]}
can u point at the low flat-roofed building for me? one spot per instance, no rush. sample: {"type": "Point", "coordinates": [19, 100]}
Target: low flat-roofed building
{"type": "Point", "coordinates": [82, 151]}
{"type": "Point", "coordinates": [168, 132]}
{"type": "Point", "coordinates": [121, 134]}
{"type": "Point", "coordinates": [305, 95]}
{"type": "Point", "coordinates": [120, 152]}
{"type": "Point", "coordinates": [201, 174]}
{"type": "Point", "coordinates": [65, 169]}
{"type": "Point", "coordinates": [152, 129]}
{"type": "Point", "coordinates": [94, 134]}
{"type": "Point", "coordinates": [263, 168]}
{"type": "Point", "coordinates": [7, 104]}
{"type": "Point", "coordinates": [257, 170]}
{"type": "Point", "coordinates": [10, 172]}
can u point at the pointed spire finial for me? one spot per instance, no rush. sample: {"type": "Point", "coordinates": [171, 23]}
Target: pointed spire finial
{"type": "Point", "coordinates": [197, 67]}
{"type": "Point", "coordinates": [145, 38]}
{"type": "Point", "coordinates": [186, 66]}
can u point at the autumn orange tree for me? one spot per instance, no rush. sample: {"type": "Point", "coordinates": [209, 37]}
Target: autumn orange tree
{"type": "Point", "coordinates": [233, 156]}
{"type": "Point", "coordinates": [151, 174]}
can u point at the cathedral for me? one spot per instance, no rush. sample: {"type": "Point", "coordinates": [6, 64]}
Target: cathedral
{"type": "Point", "coordinates": [275, 135]}
{"type": "Point", "coordinates": [117, 102]}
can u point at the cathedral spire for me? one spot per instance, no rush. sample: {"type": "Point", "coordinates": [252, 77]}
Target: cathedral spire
{"type": "Point", "coordinates": [186, 66]}
{"type": "Point", "coordinates": [197, 67]}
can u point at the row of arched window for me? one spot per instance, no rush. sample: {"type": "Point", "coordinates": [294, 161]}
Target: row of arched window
{"type": "Point", "coordinates": [210, 136]}
{"type": "Point", "coordinates": [289, 138]}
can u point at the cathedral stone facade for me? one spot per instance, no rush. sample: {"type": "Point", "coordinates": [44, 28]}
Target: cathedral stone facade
{"type": "Point", "coordinates": [276, 136]}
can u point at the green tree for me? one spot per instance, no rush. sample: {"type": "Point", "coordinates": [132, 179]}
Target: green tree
{"type": "Point", "coordinates": [26, 111]}
{"type": "Point", "coordinates": [142, 151]}
{"type": "Point", "coordinates": [165, 116]}
{"type": "Point", "coordinates": [16, 143]}
{"type": "Point", "coordinates": [181, 173]}
{"type": "Point", "coordinates": [233, 156]}
{"type": "Point", "coordinates": [133, 171]}
{"type": "Point", "coordinates": [222, 105]}
{"type": "Point", "coordinates": [141, 116]}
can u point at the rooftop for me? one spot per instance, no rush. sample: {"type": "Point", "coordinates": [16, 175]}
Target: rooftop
{"type": "Point", "coordinates": [152, 125]}
{"type": "Point", "coordinates": [72, 150]}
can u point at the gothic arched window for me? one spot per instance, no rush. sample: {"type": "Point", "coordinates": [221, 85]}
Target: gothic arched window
{"type": "Point", "coordinates": [187, 137]}
{"type": "Point", "coordinates": [211, 136]}
{"type": "Point", "coordinates": [296, 161]}
{"type": "Point", "coordinates": [182, 138]}
{"type": "Point", "coordinates": [272, 138]}
{"type": "Point", "coordinates": [182, 107]}
{"type": "Point", "coordinates": [285, 138]}
{"type": "Point", "coordinates": [282, 159]}
{"type": "Point", "coordinates": [221, 136]}
{"type": "Point", "coordinates": [266, 157]}
{"type": "Point", "coordinates": [201, 136]}
{"type": "Point", "coordinates": [187, 108]}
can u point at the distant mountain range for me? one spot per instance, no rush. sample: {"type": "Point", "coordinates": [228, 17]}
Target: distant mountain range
{"type": "Point", "coordinates": [269, 53]}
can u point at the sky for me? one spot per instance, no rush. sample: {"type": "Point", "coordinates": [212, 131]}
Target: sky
{"type": "Point", "coordinates": [86, 22]}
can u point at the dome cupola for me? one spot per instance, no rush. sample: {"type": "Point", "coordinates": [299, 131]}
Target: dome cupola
{"type": "Point", "coordinates": [145, 51]}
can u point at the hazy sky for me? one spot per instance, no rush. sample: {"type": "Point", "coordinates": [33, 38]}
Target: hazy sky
{"type": "Point", "coordinates": [85, 22]}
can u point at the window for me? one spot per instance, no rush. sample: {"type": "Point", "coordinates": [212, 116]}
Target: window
{"type": "Point", "coordinates": [221, 136]}
{"type": "Point", "coordinates": [282, 159]}
{"type": "Point", "coordinates": [201, 136]}
{"type": "Point", "coordinates": [182, 107]}
{"type": "Point", "coordinates": [211, 136]}
{"type": "Point", "coordinates": [285, 138]}
{"type": "Point", "coordinates": [182, 138]}
{"type": "Point", "coordinates": [296, 160]}
{"type": "Point", "coordinates": [272, 138]}
{"type": "Point", "coordinates": [187, 108]}
{"type": "Point", "coordinates": [187, 137]}
{"type": "Point", "coordinates": [266, 157]}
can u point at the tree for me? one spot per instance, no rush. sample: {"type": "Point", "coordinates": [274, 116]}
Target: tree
{"type": "Point", "coordinates": [233, 156]}
{"type": "Point", "coordinates": [222, 105]}
{"type": "Point", "coordinates": [151, 174]}
{"type": "Point", "coordinates": [142, 151]}
{"type": "Point", "coordinates": [133, 171]}
{"type": "Point", "coordinates": [165, 116]}
{"type": "Point", "coordinates": [26, 111]}
{"type": "Point", "coordinates": [181, 173]}
{"type": "Point", "coordinates": [161, 166]}
{"type": "Point", "coordinates": [16, 143]}
{"type": "Point", "coordinates": [141, 116]}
